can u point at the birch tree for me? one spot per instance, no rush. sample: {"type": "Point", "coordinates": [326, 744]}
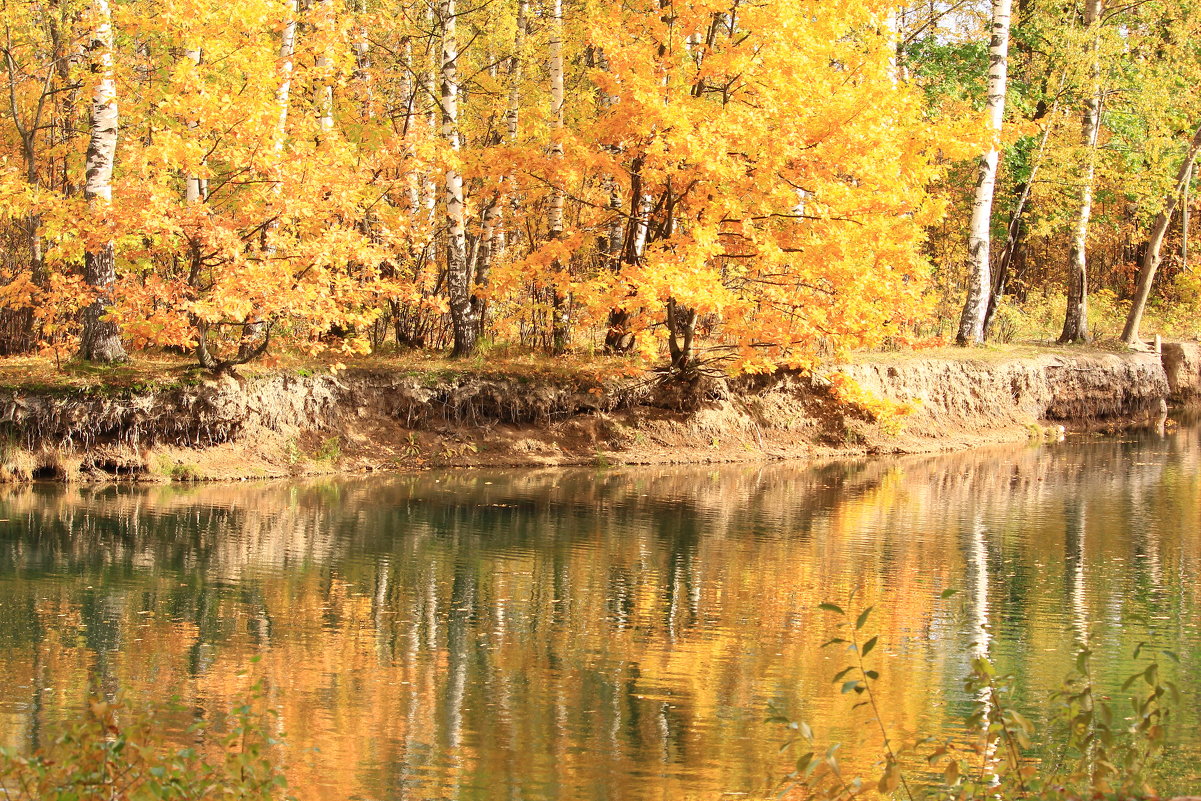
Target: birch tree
{"type": "Point", "coordinates": [1151, 257]}
{"type": "Point", "coordinates": [971, 322]}
{"type": "Point", "coordinates": [194, 184]}
{"type": "Point", "coordinates": [458, 274]}
{"type": "Point", "coordinates": [1075, 321]}
{"type": "Point", "coordinates": [1184, 219]}
{"type": "Point", "coordinates": [325, 67]}
{"type": "Point", "coordinates": [560, 326]}
{"type": "Point", "coordinates": [100, 339]}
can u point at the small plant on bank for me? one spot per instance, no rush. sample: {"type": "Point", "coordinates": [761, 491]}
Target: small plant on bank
{"type": "Point", "coordinates": [330, 451]}
{"type": "Point", "coordinates": [1087, 749]}
{"type": "Point", "coordinates": [185, 472]}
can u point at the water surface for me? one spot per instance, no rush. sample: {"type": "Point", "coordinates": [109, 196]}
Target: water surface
{"type": "Point", "coordinates": [600, 634]}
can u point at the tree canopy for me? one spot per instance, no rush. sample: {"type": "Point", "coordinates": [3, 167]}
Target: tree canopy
{"type": "Point", "coordinates": [755, 184]}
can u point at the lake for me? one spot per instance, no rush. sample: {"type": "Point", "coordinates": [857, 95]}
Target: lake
{"type": "Point", "coordinates": [610, 633]}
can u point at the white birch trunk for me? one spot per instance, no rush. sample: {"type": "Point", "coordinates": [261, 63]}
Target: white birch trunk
{"type": "Point", "coordinates": [430, 184]}
{"type": "Point", "coordinates": [898, 70]}
{"type": "Point", "coordinates": [971, 323]}
{"type": "Point", "coordinates": [1184, 218]}
{"type": "Point", "coordinates": [458, 278]}
{"type": "Point", "coordinates": [325, 102]}
{"type": "Point", "coordinates": [362, 63]}
{"type": "Point", "coordinates": [513, 115]}
{"type": "Point", "coordinates": [194, 189]}
{"type": "Point", "coordinates": [1075, 321]}
{"type": "Point", "coordinates": [642, 225]}
{"type": "Point", "coordinates": [561, 322]}
{"type": "Point", "coordinates": [409, 94]}
{"type": "Point", "coordinates": [492, 234]}
{"type": "Point", "coordinates": [283, 95]}
{"type": "Point", "coordinates": [1163, 220]}
{"type": "Point", "coordinates": [555, 52]}
{"type": "Point", "coordinates": [515, 71]}
{"type": "Point", "coordinates": [100, 340]}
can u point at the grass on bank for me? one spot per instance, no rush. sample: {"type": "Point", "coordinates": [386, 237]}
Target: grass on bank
{"type": "Point", "coordinates": [1021, 330]}
{"type": "Point", "coordinates": [150, 370]}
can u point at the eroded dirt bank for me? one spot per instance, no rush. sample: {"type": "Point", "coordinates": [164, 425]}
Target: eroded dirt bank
{"type": "Point", "coordinates": [362, 419]}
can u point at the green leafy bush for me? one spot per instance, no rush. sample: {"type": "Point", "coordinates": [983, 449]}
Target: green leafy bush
{"type": "Point", "coordinates": [116, 753]}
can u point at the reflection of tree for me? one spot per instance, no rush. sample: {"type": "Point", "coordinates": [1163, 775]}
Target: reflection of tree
{"type": "Point", "coordinates": [507, 633]}
{"type": "Point", "coordinates": [1073, 544]}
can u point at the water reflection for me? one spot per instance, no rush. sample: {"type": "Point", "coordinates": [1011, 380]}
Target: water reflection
{"type": "Point", "coordinates": [597, 635]}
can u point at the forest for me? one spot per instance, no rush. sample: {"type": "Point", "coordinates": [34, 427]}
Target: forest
{"type": "Point", "coordinates": [731, 184]}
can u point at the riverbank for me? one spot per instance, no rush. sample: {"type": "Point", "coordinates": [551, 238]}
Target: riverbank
{"type": "Point", "coordinates": [376, 416]}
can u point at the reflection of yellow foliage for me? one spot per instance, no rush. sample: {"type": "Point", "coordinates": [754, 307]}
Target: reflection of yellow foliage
{"type": "Point", "coordinates": [474, 630]}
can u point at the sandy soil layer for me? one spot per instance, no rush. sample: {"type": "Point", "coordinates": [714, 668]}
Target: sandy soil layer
{"type": "Point", "coordinates": [363, 419]}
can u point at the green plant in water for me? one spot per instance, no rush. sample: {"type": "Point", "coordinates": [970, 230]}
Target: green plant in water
{"type": "Point", "coordinates": [116, 753]}
{"type": "Point", "coordinates": [1086, 748]}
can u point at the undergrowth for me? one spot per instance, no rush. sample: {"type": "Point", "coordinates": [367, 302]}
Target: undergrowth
{"type": "Point", "coordinates": [114, 752]}
{"type": "Point", "coordinates": [1087, 748]}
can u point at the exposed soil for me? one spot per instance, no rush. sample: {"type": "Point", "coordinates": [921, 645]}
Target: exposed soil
{"type": "Point", "coordinates": [362, 419]}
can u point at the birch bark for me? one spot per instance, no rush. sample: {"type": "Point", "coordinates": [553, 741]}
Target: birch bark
{"type": "Point", "coordinates": [325, 103]}
{"type": "Point", "coordinates": [362, 62]}
{"type": "Point", "coordinates": [1163, 220]}
{"type": "Point", "coordinates": [458, 276]}
{"type": "Point", "coordinates": [100, 340]}
{"type": "Point", "coordinates": [1075, 320]}
{"type": "Point", "coordinates": [1184, 218]}
{"type": "Point", "coordinates": [194, 189]}
{"type": "Point", "coordinates": [971, 322]}
{"type": "Point", "coordinates": [287, 49]}
{"type": "Point", "coordinates": [1012, 233]}
{"type": "Point", "coordinates": [561, 313]}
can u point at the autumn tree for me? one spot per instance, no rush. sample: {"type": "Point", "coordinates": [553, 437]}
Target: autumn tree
{"type": "Point", "coordinates": [971, 323]}
{"type": "Point", "coordinates": [1075, 324]}
{"type": "Point", "coordinates": [100, 339]}
{"type": "Point", "coordinates": [1151, 257]}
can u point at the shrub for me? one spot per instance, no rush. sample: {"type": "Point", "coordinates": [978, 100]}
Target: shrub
{"type": "Point", "coordinates": [1086, 748]}
{"type": "Point", "coordinates": [115, 753]}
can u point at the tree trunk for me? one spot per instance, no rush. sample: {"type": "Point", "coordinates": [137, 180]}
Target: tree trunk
{"type": "Point", "coordinates": [1013, 232]}
{"type": "Point", "coordinates": [513, 118]}
{"type": "Point", "coordinates": [486, 251]}
{"type": "Point", "coordinates": [561, 301]}
{"type": "Point", "coordinates": [325, 103]}
{"type": "Point", "coordinates": [681, 328]}
{"type": "Point", "coordinates": [362, 62]}
{"type": "Point", "coordinates": [1075, 320]}
{"type": "Point", "coordinates": [1184, 218]}
{"type": "Point", "coordinates": [287, 47]}
{"type": "Point", "coordinates": [971, 322]}
{"type": "Point", "coordinates": [1150, 263]}
{"type": "Point", "coordinates": [458, 273]}
{"type": "Point", "coordinates": [100, 339]}
{"type": "Point", "coordinates": [194, 189]}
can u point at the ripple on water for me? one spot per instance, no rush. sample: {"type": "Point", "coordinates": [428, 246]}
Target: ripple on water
{"type": "Point", "coordinates": [604, 634]}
